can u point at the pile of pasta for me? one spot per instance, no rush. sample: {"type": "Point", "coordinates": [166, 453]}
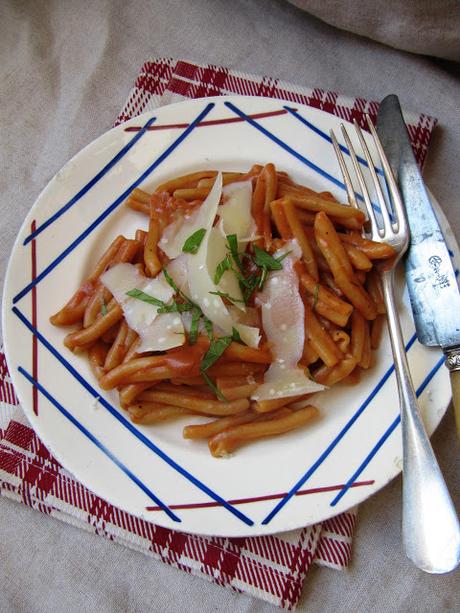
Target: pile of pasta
{"type": "Point", "coordinates": [338, 284]}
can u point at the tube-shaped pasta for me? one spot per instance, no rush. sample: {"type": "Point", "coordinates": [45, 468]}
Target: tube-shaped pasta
{"type": "Point", "coordinates": [199, 405]}
{"type": "Point", "coordinates": [299, 233]}
{"type": "Point", "coordinates": [330, 375]}
{"type": "Point", "coordinates": [340, 265]}
{"type": "Point", "coordinates": [237, 351]}
{"type": "Point", "coordinates": [320, 340]}
{"type": "Point", "coordinates": [128, 393]}
{"type": "Point", "coordinates": [376, 331]}
{"type": "Point", "coordinates": [271, 186]}
{"type": "Point", "coordinates": [372, 249]}
{"type": "Point", "coordinates": [97, 354]}
{"type": "Point", "coordinates": [280, 220]}
{"type": "Point", "coordinates": [227, 441]}
{"type": "Point", "coordinates": [152, 262]}
{"type": "Point", "coordinates": [200, 431]}
{"type": "Point", "coordinates": [313, 202]}
{"type": "Point", "coordinates": [147, 413]}
{"type": "Point", "coordinates": [325, 302]}
{"type": "Point", "coordinates": [96, 330]}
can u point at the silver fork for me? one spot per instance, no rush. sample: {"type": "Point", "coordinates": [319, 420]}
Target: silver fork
{"type": "Point", "coordinates": [430, 527]}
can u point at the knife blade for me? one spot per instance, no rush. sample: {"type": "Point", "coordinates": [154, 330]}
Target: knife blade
{"type": "Point", "coordinates": [431, 281]}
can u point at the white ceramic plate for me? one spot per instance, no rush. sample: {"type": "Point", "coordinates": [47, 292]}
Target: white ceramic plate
{"type": "Point", "coordinates": [269, 486]}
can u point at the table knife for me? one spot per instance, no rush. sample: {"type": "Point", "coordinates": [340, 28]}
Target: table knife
{"type": "Point", "coordinates": [431, 281]}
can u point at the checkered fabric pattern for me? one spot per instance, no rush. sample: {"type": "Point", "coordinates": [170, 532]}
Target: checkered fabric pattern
{"type": "Point", "coordinates": [272, 568]}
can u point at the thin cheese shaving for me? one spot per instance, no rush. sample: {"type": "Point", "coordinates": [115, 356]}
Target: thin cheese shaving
{"type": "Point", "coordinates": [175, 235]}
{"type": "Point", "coordinates": [157, 332]}
{"type": "Point", "coordinates": [283, 323]}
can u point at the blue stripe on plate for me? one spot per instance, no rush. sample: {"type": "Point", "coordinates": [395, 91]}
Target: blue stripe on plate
{"type": "Point", "coordinates": [90, 183]}
{"type": "Point", "coordinates": [129, 426]}
{"type": "Point", "coordinates": [99, 445]}
{"type": "Point", "coordinates": [114, 204]}
{"type": "Point", "coordinates": [285, 146]}
{"type": "Point", "coordinates": [384, 437]}
{"type": "Point", "coordinates": [335, 441]}
{"type": "Point", "coordinates": [326, 137]}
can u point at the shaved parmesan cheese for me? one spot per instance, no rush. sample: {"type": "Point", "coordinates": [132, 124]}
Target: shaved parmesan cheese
{"type": "Point", "coordinates": [165, 332]}
{"type": "Point", "coordinates": [283, 322]}
{"type": "Point", "coordinates": [235, 214]}
{"type": "Point", "coordinates": [177, 269]}
{"type": "Point", "coordinates": [250, 316]}
{"type": "Point", "coordinates": [142, 317]}
{"type": "Point", "coordinates": [201, 284]}
{"type": "Point", "coordinates": [248, 334]}
{"type": "Point", "coordinates": [281, 382]}
{"type": "Point", "coordinates": [175, 235]}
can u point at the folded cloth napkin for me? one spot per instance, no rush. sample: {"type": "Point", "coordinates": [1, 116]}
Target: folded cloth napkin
{"type": "Point", "coordinates": [272, 568]}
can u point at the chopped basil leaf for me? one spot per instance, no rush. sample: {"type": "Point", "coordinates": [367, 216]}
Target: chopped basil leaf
{"type": "Point", "coordinates": [236, 336]}
{"type": "Point", "coordinates": [170, 282]}
{"type": "Point", "coordinates": [232, 241]}
{"type": "Point", "coordinates": [281, 257]}
{"type": "Point", "coordinates": [265, 260]}
{"type": "Point", "coordinates": [216, 349]}
{"type": "Point", "coordinates": [315, 295]}
{"type": "Point", "coordinates": [208, 327]}
{"type": "Point", "coordinates": [140, 295]}
{"type": "Point", "coordinates": [223, 266]}
{"type": "Point", "coordinates": [176, 307]}
{"type": "Point", "coordinates": [262, 278]}
{"type": "Point", "coordinates": [192, 244]}
{"type": "Point", "coordinates": [103, 307]}
{"type": "Point", "coordinates": [214, 387]}
{"type": "Point", "coordinates": [193, 334]}
{"type": "Point", "coordinates": [225, 295]}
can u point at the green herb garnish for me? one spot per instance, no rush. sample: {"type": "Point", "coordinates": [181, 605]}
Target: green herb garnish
{"type": "Point", "coordinates": [192, 244]}
{"type": "Point", "coordinates": [265, 260]}
{"type": "Point", "coordinates": [208, 327]}
{"type": "Point", "coordinates": [216, 349]}
{"type": "Point", "coordinates": [171, 282]}
{"type": "Point", "coordinates": [225, 295]}
{"type": "Point", "coordinates": [103, 307]}
{"type": "Point", "coordinates": [315, 295]}
{"type": "Point", "coordinates": [232, 242]}
{"type": "Point", "coordinates": [175, 307]}
{"type": "Point", "coordinates": [214, 387]}
{"type": "Point", "coordinates": [236, 336]}
{"type": "Point", "coordinates": [140, 295]}
{"type": "Point", "coordinates": [193, 334]}
{"type": "Point", "coordinates": [223, 266]}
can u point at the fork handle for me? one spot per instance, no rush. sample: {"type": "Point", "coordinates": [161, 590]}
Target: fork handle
{"type": "Point", "coordinates": [430, 527]}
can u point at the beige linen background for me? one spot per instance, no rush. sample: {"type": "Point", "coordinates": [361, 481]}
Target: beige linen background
{"type": "Point", "coordinates": [65, 70]}
{"type": "Point", "coordinates": [430, 27]}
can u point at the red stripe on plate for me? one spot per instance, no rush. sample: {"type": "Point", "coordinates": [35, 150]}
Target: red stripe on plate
{"type": "Point", "coordinates": [210, 122]}
{"type": "Point", "coordinates": [313, 490]}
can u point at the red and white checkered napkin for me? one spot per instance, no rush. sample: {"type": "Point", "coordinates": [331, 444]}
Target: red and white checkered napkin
{"type": "Point", "coordinates": [270, 567]}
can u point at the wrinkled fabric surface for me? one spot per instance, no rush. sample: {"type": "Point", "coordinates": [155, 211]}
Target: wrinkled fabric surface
{"type": "Point", "coordinates": [66, 69]}
{"type": "Point", "coordinates": [429, 27]}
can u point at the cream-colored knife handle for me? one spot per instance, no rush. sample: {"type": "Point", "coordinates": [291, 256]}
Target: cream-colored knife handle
{"type": "Point", "coordinates": [453, 364]}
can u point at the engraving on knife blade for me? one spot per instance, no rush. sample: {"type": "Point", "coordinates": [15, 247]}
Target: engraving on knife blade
{"type": "Point", "coordinates": [441, 280]}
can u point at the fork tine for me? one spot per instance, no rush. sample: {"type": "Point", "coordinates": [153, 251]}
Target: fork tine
{"type": "Point", "coordinates": [398, 205]}
{"type": "Point", "coordinates": [361, 181]}
{"type": "Point", "coordinates": [378, 188]}
{"type": "Point", "coordinates": [344, 170]}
